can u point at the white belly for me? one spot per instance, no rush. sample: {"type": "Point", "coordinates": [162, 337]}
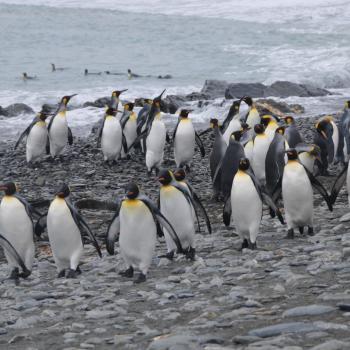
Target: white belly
{"type": "Point", "coordinates": [17, 227]}
{"type": "Point", "coordinates": [137, 235]}
{"type": "Point", "coordinates": [64, 235]}
{"type": "Point", "coordinates": [261, 146]}
{"type": "Point", "coordinates": [297, 196]}
{"type": "Point", "coordinates": [246, 207]}
{"type": "Point", "coordinates": [184, 143]}
{"type": "Point", "coordinates": [130, 132]}
{"type": "Point", "coordinates": [36, 142]}
{"type": "Point", "coordinates": [178, 211]}
{"type": "Point", "coordinates": [155, 144]}
{"type": "Point", "coordinates": [58, 134]}
{"type": "Point", "coordinates": [307, 160]}
{"type": "Point", "coordinates": [253, 118]}
{"type": "Point", "coordinates": [233, 126]}
{"type": "Point", "coordinates": [270, 130]}
{"type": "Point", "coordinates": [335, 137]}
{"type": "Point", "coordinates": [111, 141]}
{"type": "Point", "coordinates": [248, 150]}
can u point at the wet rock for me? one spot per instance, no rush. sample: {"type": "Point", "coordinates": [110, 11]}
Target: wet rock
{"type": "Point", "coordinates": [214, 88]}
{"type": "Point", "coordinates": [292, 327]}
{"type": "Point", "coordinates": [238, 90]}
{"type": "Point", "coordinates": [15, 110]}
{"type": "Point", "coordinates": [287, 89]}
{"type": "Point", "coordinates": [99, 103]}
{"type": "Point", "coordinates": [308, 310]}
{"type": "Point", "coordinates": [332, 345]}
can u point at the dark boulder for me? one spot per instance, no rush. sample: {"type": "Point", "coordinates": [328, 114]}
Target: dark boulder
{"type": "Point", "coordinates": [214, 88]}
{"type": "Point", "coordinates": [267, 106]}
{"type": "Point", "coordinates": [15, 110]}
{"type": "Point", "coordinates": [99, 103]}
{"type": "Point", "coordinates": [286, 89]}
{"type": "Point", "coordinates": [238, 90]}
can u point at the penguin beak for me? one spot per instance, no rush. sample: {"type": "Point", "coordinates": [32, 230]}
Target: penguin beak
{"type": "Point", "coordinates": [160, 96]}
{"type": "Point", "coordinates": [121, 91]}
{"type": "Point", "coordinates": [130, 194]}
{"type": "Point", "coordinates": [160, 179]}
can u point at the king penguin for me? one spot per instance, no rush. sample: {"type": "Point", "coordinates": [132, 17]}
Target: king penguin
{"type": "Point", "coordinates": [297, 195]}
{"type": "Point", "coordinates": [343, 149]}
{"type": "Point", "coordinates": [37, 135]}
{"type": "Point", "coordinates": [115, 98]}
{"type": "Point", "coordinates": [271, 124]}
{"type": "Point", "coordinates": [58, 129]}
{"type": "Point", "coordinates": [65, 227]}
{"type": "Point", "coordinates": [111, 136]}
{"type": "Point", "coordinates": [252, 117]}
{"type": "Point", "coordinates": [16, 225]}
{"type": "Point", "coordinates": [231, 122]}
{"type": "Point", "coordinates": [292, 133]}
{"type": "Point", "coordinates": [129, 123]}
{"type": "Point", "coordinates": [323, 139]}
{"type": "Point", "coordinates": [185, 138]}
{"type": "Point", "coordinates": [136, 223]}
{"type": "Point", "coordinates": [246, 199]}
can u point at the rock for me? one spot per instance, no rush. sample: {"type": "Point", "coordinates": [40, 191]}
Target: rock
{"type": "Point", "coordinates": [214, 88]}
{"type": "Point", "coordinates": [16, 109]}
{"type": "Point", "coordinates": [278, 108]}
{"type": "Point", "coordinates": [292, 327]}
{"type": "Point", "coordinates": [172, 103]}
{"type": "Point", "coordinates": [3, 331]}
{"type": "Point", "coordinates": [99, 103]}
{"type": "Point", "coordinates": [332, 345]}
{"type": "Point", "coordinates": [238, 90]}
{"type": "Point", "coordinates": [345, 218]}
{"type": "Point", "coordinates": [308, 310]}
{"type": "Point", "coordinates": [286, 89]}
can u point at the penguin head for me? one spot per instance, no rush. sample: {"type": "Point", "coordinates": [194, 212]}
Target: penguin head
{"type": "Point", "coordinates": [25, 75]}
{"type": "Point", "coordinates": [268, 118]}
{"type": "Point", "coordinates": [184, 113]}
{"type": "Point", "coordinates": [245, 127]}
{"type": "Point", "coordinates": [131, 190]}
{"type": "Point", "coordinates": [292, 154]}
{"type": "Point", "coordinates": [42, 115]}
{"type": "Point", "coordinates": [63, 191]}
{"type": "Point", "coordinates": [214, 123]}
{"type": "Point", "coordinates": [149, 101]}
{"type": "Point", "coordinates": [111, 111]}
{"type": "Point", "coordinates": [165, 177]}
{"type": "Point", "coordinates": [117, 93]}
{"type": "Point", "coordinates": [236, 135]}
{"type": "Point", "coordinates": [179, 174]}
{"type": "Point", "coordinates": [9, 188]}
{"type": "Point", "coordinates": [235, 106]}
{"type": "Point", "coordinates": [66, 99]}
{"type": "Point", "coordinates": [244, 164]}
{"type": "Point", "coordinates": [289, 120]}
{"type": "Point", "coordinates": [280, 130]}
{"type": "Point", "coordinates": [156, 101]}
{"type": "Point", "coordinates": [128, 106]}
{"type": "Point", "coordinates": [248, 100]}
{"type": "Point", "coordinates": [259, 129]}
{"type": "Point", "coordinates": [322, 127]}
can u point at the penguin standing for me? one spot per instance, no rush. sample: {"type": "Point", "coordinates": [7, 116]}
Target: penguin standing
{"type": "Point", "coordinates": [37, 135]}
{"type": "Point", "coordinates": [129, 123]}
{"type": "Point", "coordinates": [245, 205]}
{"type": "Point", "coordinates": [252, 117]}
{"type": "Point", "coordinates": [260, 148]}
{"type": "Point", "coordinates": [216, 155]}
{"type": "Point", "coordinates": [271, 124]}
{"type": "Point", "coordinates": [176, 205]}
{"type": "Point", "coordinates": [231, 122]}
{"type": "Point", "coordinates": [136, 223]}
{"type": "Point", "coordinates": [16, 225]}
{"type": "Point", "coordinates": [65, 228]}
{"type": "Point", "coordinates": [115, 98]}
{"type": "Point", "coordinates": [58, 129]}
{"type": "Point", "coordinates": [292, 133]}
{"type": "Point", "coordinates": [297, 193]}
{"type": "Point", "coordinates": [323, 139]}
{"type": "Point", "coordinates": [343, 148]}
{"type": "Point", "coordinates": [111, 136]}
{"type": "Point", "coordinates": [184, 138]}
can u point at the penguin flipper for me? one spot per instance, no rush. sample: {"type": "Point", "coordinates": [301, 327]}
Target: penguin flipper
{"type": "Point", "coordinates": [113, 231]}
{"type": "Point", "coordinates": [81, 223]}
{"type": "Point", "coordinates": [30, 210]}
{"type": "Point", "coordinates": [70, 136]}
{"type": "Point", "coordinates": [163, 221]}
{"type": "Point", "coordinates": [8, 247]}
{"type": "Point", "coordinates": [174, 132]}
{"type": "Point", "coordinates": [24, 133]}
{"type": "Point", "coordinates": [338, 184]}
{"type": "Point", "coordinates": [319, 187]}
{"type": "Point", "coordinates": [138, 139]}
{"type": "Point", "coordinates": [99, 132]}
{"type": "Point", "coordinates": [199, 144]}
{"type": "Point", "coordinates": [277, 191]}
{"type": "Point", "coordinates": [271, 204]}
{"type": "Point", "coordinates": [124, 143]}
{"type": "Point", "coordinates": [124, 120]}
{"type": "Point", "coordinates": [227, 211]}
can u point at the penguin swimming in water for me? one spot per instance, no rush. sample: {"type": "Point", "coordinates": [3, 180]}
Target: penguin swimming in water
{"type": "Point", "coordinates": [26, 77]}
{"type": "Point", "coordinates": [343, 148]}
{"type": "Point", "coordinates": [184, 138]}
{"type": "Point", "coordinates": [232, 121]}
{"type": "Point", "coordinates": [261, 144]}
{"type": "Point", "coordinates": [245, 205]}
{"type": "Point", "coordinates": [58, 129]}
{"type": "Point", "coordinates": [252, 117]}
{"type": "Point", "coordinates": [271, 124]}
{"type": "Point", "coordinates": [136, 224]}
{"type": "Point", "coordinates": [229, 163]}
{"type": "Point", "coordinates": [57, 69]}
{"type": "Point", "coordinates": [65, 227]}
{"type": "Point", "coordinates": [111, 137]}
{"type": "Point", "coordinates": [129, 123]}
{"type": "Point", "coordinates": [86, 72]}
{"type": "Point", "coordinates": [216, 155]}
{"type": "Point", "coordinates": [16, 225]}
{"type": "Point", "coordinates": [37, 135]}
{"type": "Point", "coordinates": [297, 193]}
{"type": "Point", "coordinates": [177, 204]}
{"type": "Point", "coordinates": [292, 133]}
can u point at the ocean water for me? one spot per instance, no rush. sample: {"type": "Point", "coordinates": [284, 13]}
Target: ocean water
{"type": "Point", "coordinates": [193, 40]}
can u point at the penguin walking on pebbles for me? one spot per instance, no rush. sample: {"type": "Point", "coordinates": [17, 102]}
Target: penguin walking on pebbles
{"type": "Point", "coordinates": [58, 129]}
{"type": "Point", "coordinates": [111, 137]}
{"type": "Point", "coordinates": [65, 228]}
{"type": "Point", "coordinates": [136, 224]}
{"type": "Point", "coordinates": [245, 205]}
{"type": "Point", "coordinates": [185, 138]}
{"type": "Point", "coordinates": [129, 123]}
{"type": "Point", "coordinates": [36, 134]}
{"type": "Point", "coordinates": [296, 187]}
{"type": "Point", "coordinates": [16, 225]}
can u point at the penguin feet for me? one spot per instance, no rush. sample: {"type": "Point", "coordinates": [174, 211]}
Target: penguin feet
{"type": "Point", "coordinates": [14, 274]}
{"type": "Point", "coordinates": [78, 271]}
{"type": "Point", "coordinates": [25, 274]}
{"type": "Point", "coordinates": [290, 234]}
{"type": "Point", "coordinates": [310, 231]}
{"type": "Point", "coordinates": [301, 230]}
{"type": "Point", "coordinates": [245, 244]}
{"type": "Point", "coordinates": [190, 254]}
{"type": "Point", "coordinates": [129, 273]}
{"type": "Point", "coordinates": [71, 274]}
{"type": "Point", "coordinates": [61, 274]}
{"type": "Point", "coordinates": [251, 245]}
{"type": "Point", "coordinates": [169, 255]}
{"type": "Point", "coordinates": [141, 278]}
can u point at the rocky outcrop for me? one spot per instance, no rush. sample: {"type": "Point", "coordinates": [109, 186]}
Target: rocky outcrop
{"type": "Point", "coordinates": [99, 103]}
{"type": "Point", "coordinates": [15, 110]}
{"type": "Point", "coordinates": [214, 88]}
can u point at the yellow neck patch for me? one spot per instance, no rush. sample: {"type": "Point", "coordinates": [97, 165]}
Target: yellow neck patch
{"type": "Point", "coordinates": [62, 114]}
{"type": "Point", "coordinates": [132, 203]}
{"type": "Point", "coordinates": [40, 123]}
{"type": "Point", "coordinates": [158, 116]}
{"type": "Point", "coordinates": [133, 116]}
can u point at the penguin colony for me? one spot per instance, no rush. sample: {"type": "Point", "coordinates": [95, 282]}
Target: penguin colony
{"type": "Point", "coordinates": [255, 161]}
